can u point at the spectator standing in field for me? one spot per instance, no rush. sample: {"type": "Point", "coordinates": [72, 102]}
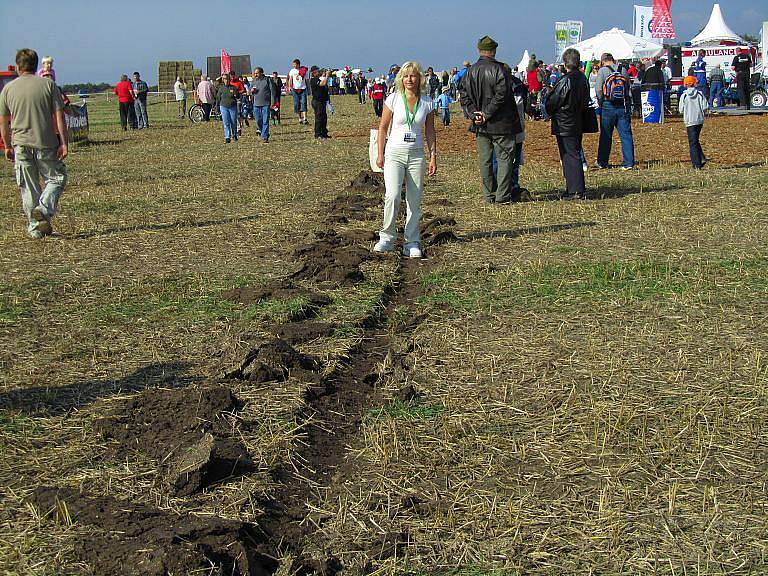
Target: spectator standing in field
{"type": "Point", "coordinates": [180, 91]}
{"type": "Point", "coordinates": [716, 82]}
{"type": "Point", "coordinates": [362, 86]}
{"type": "Point", "coordinates": [700, 72]}
{"type": "Point", "coordinates": [433, 83]}
{"type": "Point", "coordinates": [227, 97]}
{"type": "Point", "coordinates": [443, 104]}
{"type": "Point", "coordinates": [742, 65]}
{"type": "Point", "coordinates": [36, 107]}
{"type": "Point", "coordinates": [693, 104]}
{"type": "Point", "coordinates": [613, 88]}
{"type": "Point", "coordinates": [263, 94]}
{"type": "Point", "coordinates": [47, 67]}
{"type": "Point", "coordinates": [520, 95]}
{"type": "Point", "coordinates": [487, 100]}
{"type": "Point", "coordinates": [453, 83]}
{"type": "Point", "coordinates": [409, 113]}
{"type": "Point", "coordinates": [297, 85]}
{"type": "Point", "coordinates": [320, 99]}
{"type": "Point", "coordinates": [569, 107]}
{"type": "Point", "coordinates": [140, 91]}
{"type": "Point", "coordinates": [378, 92]}
{"type": "Point", "coordinates": [206, 96]}
{"type": "Point", "coordinates": [124, 92]}
{"type": "Point", "coordinates": [534, 87]}
{"type": "Point", "coordinates": [278, 84]}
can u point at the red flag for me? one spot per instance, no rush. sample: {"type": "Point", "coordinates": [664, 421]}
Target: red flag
{"type": "Point", "coordinates": [661, 25]}
{"type": "Point", "coordinates": [226, 62]}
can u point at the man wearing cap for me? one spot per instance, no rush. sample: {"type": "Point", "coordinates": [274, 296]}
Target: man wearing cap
{"type": "Point", "coordinates": [263, 92]}
{"type": "Point", "coordinates": [319, 87]}
{"type": "Point", "coordinates": [486, 97]}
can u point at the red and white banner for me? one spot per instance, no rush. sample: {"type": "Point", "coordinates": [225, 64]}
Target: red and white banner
{"type": "Point", "coordinates": [226, 62]}
{"type": "Point", "coordinates": [662, 26]}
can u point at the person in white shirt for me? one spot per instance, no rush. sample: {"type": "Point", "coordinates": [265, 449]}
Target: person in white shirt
{"type": "Point", "coordinates": [180, 90]}
{"type": "Point", "coordinates": [296, 84]}
{"type": "Point", "coordinates": [205, 96]}
{"type": "Point", "coordinates": [409, 119]}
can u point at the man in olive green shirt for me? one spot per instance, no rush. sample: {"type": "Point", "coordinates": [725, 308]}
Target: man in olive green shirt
{"type": "Point", "coordinates": [29, 106]}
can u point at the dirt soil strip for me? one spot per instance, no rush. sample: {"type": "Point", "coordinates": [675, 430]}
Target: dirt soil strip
{"type": "Point", "coordinates": [335, 408]}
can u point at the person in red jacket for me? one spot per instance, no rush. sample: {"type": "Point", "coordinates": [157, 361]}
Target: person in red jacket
{"type": "Point", "coordinates": [124, 91]}
{"type": "Point", "coordinates": [534, 87]}
{"type": "Point", "coordinates": [378, 91]}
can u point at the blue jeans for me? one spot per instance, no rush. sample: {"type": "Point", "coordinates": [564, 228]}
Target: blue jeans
{"type": "Point", "coordinates": [697, 154]}
{"type": "Point", "coordinates": [299, 101]}
{"type": "Point", "coordinates": [141, 113]}
{"type": "Point", "coordinates": [229, 119]}
{"type": "Point", "coordinates": [716, 91]}
{"type": "Point", "coordinates": [261, 115]}
{"type": "Point", "coordinates": [618, 117]}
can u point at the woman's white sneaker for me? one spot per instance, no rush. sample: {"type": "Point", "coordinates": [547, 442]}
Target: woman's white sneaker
{"type": "Point", "coordinates": [412, 251]}
{"type": "Point", "coordinates": [384, 246]}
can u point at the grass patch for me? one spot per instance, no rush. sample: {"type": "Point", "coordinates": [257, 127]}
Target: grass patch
{"type": "Point", "coordinates": [406, 411]}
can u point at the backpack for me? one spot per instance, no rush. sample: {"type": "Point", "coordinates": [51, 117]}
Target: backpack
{"type": "Point", "coordinates": [615, 88]}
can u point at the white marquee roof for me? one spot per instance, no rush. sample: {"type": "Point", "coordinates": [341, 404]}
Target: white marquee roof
{"type": "Point", "coordinates": [716, 30]}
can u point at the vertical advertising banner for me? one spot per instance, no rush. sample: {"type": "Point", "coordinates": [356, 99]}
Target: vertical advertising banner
{"type": "Point", "coordinates": [653, 106]}
{"type": "Point", "coordinates": [561, 39]}
{"type": "Point", "coordinates": [643, 22]}
{"type": "Point", "coordinates": [226, 62]}
{"type": "Point", "coordinates": [662, 26]}
{"type": "Point", "coordinates": [574, 31]}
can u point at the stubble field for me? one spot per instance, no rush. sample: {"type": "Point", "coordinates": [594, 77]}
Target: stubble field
{"type": "Point", "coordinates": [206, 371]}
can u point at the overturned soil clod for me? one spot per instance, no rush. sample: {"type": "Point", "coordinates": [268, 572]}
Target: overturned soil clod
{"type": "Point", "coordinates": [274, 361]}
{"type": "Point", "coordinates": [287, 293]}
{"type": "Point", "coordinates": [136, 540]}
{"type": "Point", "coordinates": [332, 257]}
{"type": "Point", "coordinates": [368, 181]}
{"type": "Point", "coordinates": [438, 230]}
{"type": "Point", "coordinates": [186, 430]}
{"type": "Point", "coordinates": [300, 332]}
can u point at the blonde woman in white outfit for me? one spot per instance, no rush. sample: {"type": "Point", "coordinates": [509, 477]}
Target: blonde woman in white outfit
{"type": "Point", "coordinates": [411, 117]}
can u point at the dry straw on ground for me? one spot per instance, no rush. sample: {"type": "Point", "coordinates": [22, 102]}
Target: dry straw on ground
{"type": "Point", "coordinates": [569, 388]}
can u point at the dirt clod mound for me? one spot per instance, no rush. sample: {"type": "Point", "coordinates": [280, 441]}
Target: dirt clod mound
{"type": "Point", "coordinates": [438, 230]}
{"type": "Point", "coordinates": [136, 540]}
{"type": "Point", "coordinates": [332, 257]}
{"type": "Point", "coordinates": [284, 292]}
{"type": "Point", "coordinates": [300, 332]}
{"type": "Point", "coordinates": [274, 361]}
{"type": "Point", "coordinates": [185, 430]}
{"type": "Point", "coordinates": [368, 181]}
{"type": "Point", "coordinates": [353, 206]}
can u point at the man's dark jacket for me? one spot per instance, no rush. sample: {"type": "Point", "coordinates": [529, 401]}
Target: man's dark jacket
{"type": "Point", "coordinates": [487, 87]}
{"type": "Point", "coordinates": [654, 79]}
{"type": "Point", "coordinates": [567, 104]}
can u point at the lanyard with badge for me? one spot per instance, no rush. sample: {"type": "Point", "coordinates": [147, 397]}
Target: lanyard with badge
{"type": "Point", "coordinates": [409, 137]}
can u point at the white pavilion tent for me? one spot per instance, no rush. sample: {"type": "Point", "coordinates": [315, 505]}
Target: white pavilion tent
{"type": "Point", "coordinates": [622, 45]}
{"type": "Point", "coordinates": [716, 31]}
{"type": "Point", "coordinates": [524, 62]}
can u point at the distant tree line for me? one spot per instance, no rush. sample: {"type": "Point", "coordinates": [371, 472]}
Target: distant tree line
{"type": "Point", "coordinates": [87, 87]}
{"type": "Point", "coordinates": [92, 88]}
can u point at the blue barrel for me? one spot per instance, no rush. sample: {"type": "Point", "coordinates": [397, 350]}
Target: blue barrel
{"type": "Point", "coordinates": [653, 106]}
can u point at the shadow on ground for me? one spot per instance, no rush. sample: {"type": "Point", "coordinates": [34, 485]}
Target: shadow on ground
{"type": "Point", "coordinates": [48, 401]}
{"type": "Point", "coordinates": [158, 227]}
{"type": "Point", "coordinates": [517, 232]}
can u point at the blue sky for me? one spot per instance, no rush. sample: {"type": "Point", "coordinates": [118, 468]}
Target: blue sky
{"type": "Point", "coordinates": [97, 41]}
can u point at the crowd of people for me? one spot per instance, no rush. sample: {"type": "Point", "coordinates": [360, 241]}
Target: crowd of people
{"type": "Point", "coordinates": [577, 97]}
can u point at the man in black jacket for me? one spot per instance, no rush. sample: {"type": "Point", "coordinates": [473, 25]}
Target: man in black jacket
{"type": "Point", "coordinates": [486, 95]}
{"type": "Point", "coordinates": [568, 105]}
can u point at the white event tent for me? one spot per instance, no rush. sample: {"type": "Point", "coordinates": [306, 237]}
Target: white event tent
{"type": "Point", "coordinates": [716, 31]}
{"type": "Point", "coordinates": [622, 45]}
{"type": "Point", "coordinates": [524, 62]}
